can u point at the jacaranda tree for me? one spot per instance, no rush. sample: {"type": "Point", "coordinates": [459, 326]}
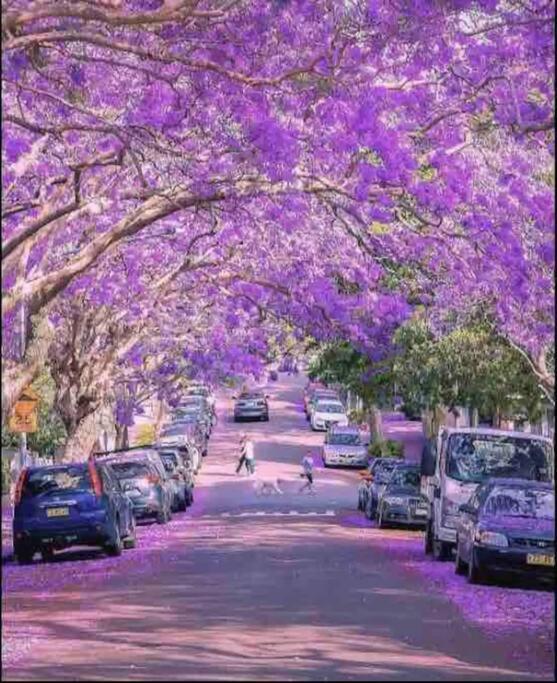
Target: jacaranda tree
{"type": "Point", "coordinates": [379, 139]}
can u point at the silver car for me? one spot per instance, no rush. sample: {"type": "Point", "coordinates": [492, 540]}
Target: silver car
{"type": "Point", "coordinates": [344, 446]}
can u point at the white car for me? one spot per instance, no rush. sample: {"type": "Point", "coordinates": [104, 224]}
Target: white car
{"type": "Point", "coordinates": [343, 446]}
{"type": "Point", "coordinates": [328, 412]}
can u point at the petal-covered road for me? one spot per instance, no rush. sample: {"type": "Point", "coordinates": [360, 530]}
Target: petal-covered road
{"type": "Point", "coordinates": [293, 587]}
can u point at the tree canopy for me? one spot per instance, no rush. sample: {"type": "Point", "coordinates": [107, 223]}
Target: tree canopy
{"type": "Point", "coordinates": [185, 178]}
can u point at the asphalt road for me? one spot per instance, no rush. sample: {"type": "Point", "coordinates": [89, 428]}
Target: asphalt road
{"type": "Point", "coordinates": [247, 587]}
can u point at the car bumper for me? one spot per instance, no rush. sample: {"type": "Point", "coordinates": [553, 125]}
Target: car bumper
{"type": "Point", "coordinates": [513, 561]}
{"type": "Point", "coordinates": [340, 461]}
{"type": "Point", "coordinates": [78, 534]}
{"type": "Point", "coordinates": [403, 515]}
{"type": "Point", "coordinates": [251, 414]}
{"type": "Point", "coordinates": [146, 507]}
{"type": "Point", "coordinates": [323, 425]}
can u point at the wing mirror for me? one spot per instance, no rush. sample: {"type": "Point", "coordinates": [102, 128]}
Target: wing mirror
{"type": "Point", "coordinates": [234, 397]}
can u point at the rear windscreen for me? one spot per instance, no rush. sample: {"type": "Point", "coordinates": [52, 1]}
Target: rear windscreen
{"type": "Point", "coordinates": [130, 470]}
{"type": "Point", "coordinates": [68, 478]}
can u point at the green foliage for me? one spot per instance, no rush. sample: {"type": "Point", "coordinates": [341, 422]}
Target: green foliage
{"type": "Point", "coordinates": [51, 432]}
{"type": "Point", "coordinates": [340, 362]}
{"type": "Point", "coordinates": [470, 366]}
{"type": "Point", "coordinates": [386, 449]}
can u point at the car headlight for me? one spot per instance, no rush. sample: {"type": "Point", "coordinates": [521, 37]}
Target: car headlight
{"type": "Point", "coordinates": [394, 500]}
{"type": "Point", "coordinates": [491, 538]}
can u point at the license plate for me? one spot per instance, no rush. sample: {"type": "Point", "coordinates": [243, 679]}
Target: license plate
{"type": "Point", "coordinates": [545, 560]}
{"type": "Point", "coordinates": [420, 513]}
{"type": "Point", "coordinates": [57, 512]}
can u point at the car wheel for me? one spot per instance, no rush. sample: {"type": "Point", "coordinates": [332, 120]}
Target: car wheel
{"type": "Point", "coordinates": [115, 547]}
{"type": "Point", "coordinates": [475, 574]}
{"type": "Point", "coordinates": [161, 517]}
{"type": "Point", "coordinates": [24, 555]}
{"type": "Point", "coordinates": [131, 539]}
{"type": "Point", "coordinates": [47, 554]}
{"type": "Point", "coordinates": [441, 550]}
{"type": "Point", "coordinates": [459, 565]}
{"type": "Point", "coordinates": [428, 538]}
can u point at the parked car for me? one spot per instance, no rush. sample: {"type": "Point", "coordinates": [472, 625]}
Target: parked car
{"type": "Point", "coordinates": [460, 460]}
{"type": "Point", "coordinates": [317, 395]}
{"type": "Point", "coordinates": [60, 506]}
{"type": "Point", "coordinates": [327, 412]}
{"type": "Point", "coordinates": [309, 390]}
{"type": "Point", "coordinates": [401, 502]}
{"type": "Point", "coordinates": [343, 446]}
{"type": "Point", "coordinates": [182, 480]}
{"type": "Point", "coordinates": [189, 451]}
{"type": "Point", "coordinates": [190, 430]}
{"type": "Point", "coordinates": [198, 406]}
{"type": "Point", "coordinates": [202, 390]}
{"type": "Point", "coordinates": [381, 475]}
{"type": "Point", "coordinates": [251, 405]}
{"type": "Point", "coordinates": [143, 478]}
{"type": "Point", "coordinates": [507, 527]}
{"type": "Point", "coordinates": [366, 481]}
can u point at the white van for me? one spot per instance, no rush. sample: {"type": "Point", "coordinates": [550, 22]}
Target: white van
{"type": "Point", "coordinates": [461, 459]}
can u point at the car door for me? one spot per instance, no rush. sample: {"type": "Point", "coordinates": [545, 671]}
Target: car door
{"type": "Point", "coordinates": [467, 527]}
{"type": "Point", "coordinates": [125, 506]}
{"type": "Point", "coordinates": [112, 502]}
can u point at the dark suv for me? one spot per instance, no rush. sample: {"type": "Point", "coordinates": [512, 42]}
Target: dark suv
{"type": "Point", "coordinates": [60, 506]}
{"type": "Point", "coordinates": [180, 474]}
{"type": "Point", "coordinates": [144, 479]}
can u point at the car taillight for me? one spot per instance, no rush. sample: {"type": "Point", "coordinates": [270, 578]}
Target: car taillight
{"type": "Point", "coordinates": [95, 479]}
{"type": "Point", "coordinates": [153, 479]}
{"type": "Point", "coordinates": [20, 484]}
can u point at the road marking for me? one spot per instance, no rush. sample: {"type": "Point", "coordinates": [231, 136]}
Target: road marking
{"type": "Point", "coordinates": [278, 513]}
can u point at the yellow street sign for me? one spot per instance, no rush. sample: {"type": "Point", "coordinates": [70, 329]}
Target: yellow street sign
{"type": "Point", "coordinates": [23, 422]}
{"type": "Point", "coordinates": [24, 416]}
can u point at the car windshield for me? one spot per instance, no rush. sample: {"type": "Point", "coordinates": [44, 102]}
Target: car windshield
{"type": "Point", "coordinates": [405, 477]}
{"type": "Point", "coordinates": [476, 457]}
{"type": "Point", "coordinates": [323, 407]}
{"type": "Point", "coordinates": [177, 426]}
{"type": "Point", "coordinates": [68, 478]}
{"type": "Point", "coordinates": [344, 439]}
{"type": "Point", "coordinates": [382, 476]}
{"type": "Point", "coordinates": [130, 470]}
{"type": "Point", "coordinates": [251, 397]}
{"type": "Point", "coordinates": [516, 502]}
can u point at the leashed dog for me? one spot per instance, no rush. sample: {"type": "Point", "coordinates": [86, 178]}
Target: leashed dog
{"type": "Point", "coordinates": [267, 486]}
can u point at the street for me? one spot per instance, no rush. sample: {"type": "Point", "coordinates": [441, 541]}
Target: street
{"type": "Point", "coordinates": [262, 587]}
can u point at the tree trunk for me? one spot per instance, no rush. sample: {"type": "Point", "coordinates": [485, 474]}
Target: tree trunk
{"type": "Point", "coordinates": [81, 441]}
{"type": "Point", "coordinates": [159, 418]}
{"type": "Point", "coordinates": [375, 423]}
{"type": "Point", "coordinates": [17, 375]}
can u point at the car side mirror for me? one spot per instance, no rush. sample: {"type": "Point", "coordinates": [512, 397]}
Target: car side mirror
{"type": "Point", "coordinates": [234, 397]}
{"type": "Point", "coordinates": [267, 396]}
{"type": "Point", "coordinates": [466, 508]}
{"type": "Point", "coordinates": [427, 464]}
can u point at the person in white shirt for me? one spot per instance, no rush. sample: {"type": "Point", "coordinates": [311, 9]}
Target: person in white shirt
{"type": "Point", "coordinates": [250, 456]}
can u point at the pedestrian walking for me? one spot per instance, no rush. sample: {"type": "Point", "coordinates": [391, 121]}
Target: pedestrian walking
{"type": "Point", "coordinates": [307, 466]}
{"type": "Point", "coordinates": [250, 457]}
{"type": "Point", "coordinates": [247, 456]}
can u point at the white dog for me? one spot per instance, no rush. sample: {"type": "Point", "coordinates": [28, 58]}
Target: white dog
{"type": "Point", "coordinates": [267, 486]}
